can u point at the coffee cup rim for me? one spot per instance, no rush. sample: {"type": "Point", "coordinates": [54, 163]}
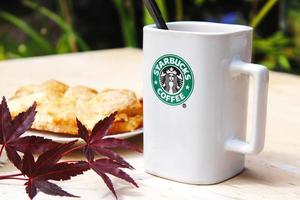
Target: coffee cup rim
{"type": "Point", "coordinates": [197, 27]}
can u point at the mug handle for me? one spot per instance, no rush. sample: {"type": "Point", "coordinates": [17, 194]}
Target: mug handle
{"type": "Point", "coordinates": [260, 76]}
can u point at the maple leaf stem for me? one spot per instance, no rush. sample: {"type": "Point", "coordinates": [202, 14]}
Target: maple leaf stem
{"type": "Point", "coordinates": [14, 178]}
{"type": "Point", "coordinates": [1, 150]}
{"type": "Point", "coordinates": [73, 149]}
{"type": "Point", "coordinates": [69, 161]}
{"type": "Point", "coordinates": [10, 176]}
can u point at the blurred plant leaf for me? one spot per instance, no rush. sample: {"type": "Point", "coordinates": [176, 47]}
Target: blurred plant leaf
{"type": "Point", "coordinates": [262, 13]}
{"type": "Point", "coordinates": [27, 29]}
{"type": "Point", "coordinates": [2, 53]}
{"type": "Point", "coordinates": [66, 15]}
{"type": "Point", "coordinates": [284, 62]}
{"type": "Point", "coordinates": [272, 44]}
{"type": "Point", "coordinates": [276, 51]}
{"type": "Point", "coordinates": [12, 55]}
{"type": "Point", "coordinates": [163, 8]}
{"type": "Point", "coordinates": [179, 10]}
{"type": "Point", "coordinates": [199, 2]}
{"type": "Point", "coordinates": [126, 15]}
{"type": "Point", "coordinates": [63, 45]}
{"type": "Point", "coordinates": [294, 25]}
{"type": "Point", "coordinates": [269, 62]}
{"type": "Point", "coordinates": [59, 21]}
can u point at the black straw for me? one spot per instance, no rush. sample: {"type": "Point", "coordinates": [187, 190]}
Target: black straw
{"type": "Point", "coordinates": [156, 14]}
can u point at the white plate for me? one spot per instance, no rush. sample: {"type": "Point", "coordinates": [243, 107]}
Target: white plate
{"type": "Point", "coordinates": [64, 138]}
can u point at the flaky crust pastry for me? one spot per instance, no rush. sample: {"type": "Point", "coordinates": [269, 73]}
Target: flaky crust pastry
{"type": "Point", "coordinates": [58, 105]}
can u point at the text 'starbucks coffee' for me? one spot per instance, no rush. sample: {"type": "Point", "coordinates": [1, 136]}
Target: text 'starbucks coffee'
{"type": "Point", "coordinates": [172, 79]}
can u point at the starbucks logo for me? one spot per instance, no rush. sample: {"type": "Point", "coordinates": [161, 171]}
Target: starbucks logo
{"type": "Point", "coordinates": [172, 79]}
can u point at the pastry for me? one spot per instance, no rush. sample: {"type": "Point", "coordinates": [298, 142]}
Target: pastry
{"type": "Point", "coordinates": [58, 105]}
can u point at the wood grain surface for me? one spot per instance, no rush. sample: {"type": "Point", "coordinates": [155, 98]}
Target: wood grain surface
{"type": "Point", "coordinates": [273, 174]}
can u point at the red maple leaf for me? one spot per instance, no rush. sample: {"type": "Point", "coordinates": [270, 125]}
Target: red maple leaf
{"type": "Point", "coordinates": [97, 144]}
{"type": "Point", "coordinates": [108, 166]}
{"type": "Point", "coordinates": [38, 173]}
{"type": "Point", "coordinates": [12, 129]}
{"type": "Point", "coordinates": [46, 168]}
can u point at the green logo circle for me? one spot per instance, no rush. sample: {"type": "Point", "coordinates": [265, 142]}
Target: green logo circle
{"type": "Point", "coordinates": [172, 79]}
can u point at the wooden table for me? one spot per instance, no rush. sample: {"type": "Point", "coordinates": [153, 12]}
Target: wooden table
{"type": "Point", "coordinates": [273, 174]}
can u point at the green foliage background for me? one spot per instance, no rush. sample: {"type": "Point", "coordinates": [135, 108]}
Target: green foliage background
{"type": "Point", "coordinates": [42, 27]}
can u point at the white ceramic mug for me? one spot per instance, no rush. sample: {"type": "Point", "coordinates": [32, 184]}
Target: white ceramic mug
{"type": "Point", "coordinates": [196, 81]}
